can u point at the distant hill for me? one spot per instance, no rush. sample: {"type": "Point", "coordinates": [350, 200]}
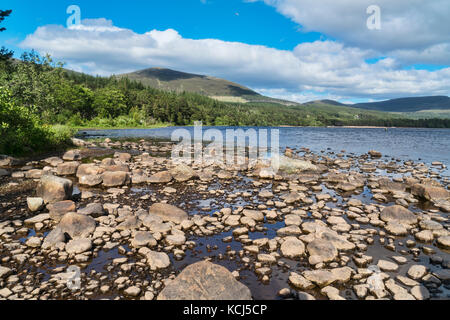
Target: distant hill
{"type": "Point", "coordinates": [219, 89]}
{"type": "Point", "coordinates": [413, 104]}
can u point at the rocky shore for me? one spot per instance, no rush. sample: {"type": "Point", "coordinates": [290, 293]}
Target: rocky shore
{"type": "Point", "coordinates": [138, 226]}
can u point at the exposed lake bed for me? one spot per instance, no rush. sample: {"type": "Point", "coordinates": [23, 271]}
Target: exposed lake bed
{"type": "Point", "coordinates": [298, 235]}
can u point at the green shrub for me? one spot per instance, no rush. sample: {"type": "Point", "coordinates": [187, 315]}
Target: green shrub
{"type": "Point", "coordinates": [21, 132]}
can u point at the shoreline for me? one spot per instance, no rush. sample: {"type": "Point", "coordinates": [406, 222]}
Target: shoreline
{"type": "Point", "coordinates": [263, 226]}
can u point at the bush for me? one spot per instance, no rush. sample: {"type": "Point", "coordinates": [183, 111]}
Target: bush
{"type": "Point", "coordinates": [21, 132]}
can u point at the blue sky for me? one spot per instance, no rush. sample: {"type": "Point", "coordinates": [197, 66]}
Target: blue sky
{"type": "Point", "coordinates": [294, 49]}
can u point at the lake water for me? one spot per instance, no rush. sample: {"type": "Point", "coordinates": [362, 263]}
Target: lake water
{"type": "Point", "coordinates": [423, 145]}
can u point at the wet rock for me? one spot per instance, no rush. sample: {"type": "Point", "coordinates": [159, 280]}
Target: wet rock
{"type": "Point", "coordinates": [143, 239]}
{"type": "Point", "coordinates": [168, 212]}
{"type": "Point", "coordinates": [59, 209]}
{"type": "Point", "coordinates": [424, 236]}
{"type": "Point", "coordinates": [420, 293]}
{"type": "Point", "coordinates": [417, 272]}
{"type": "Point", "coordinates": [160, 177]}
{"type": "Point", "coordinates": [53, 189]}
{"type": "Point", "coordinates": [156, 260]}
{"type": "Point", "coordinates": [54, 238]}
{"type": "Point", "coordinates": [395, 228]}
{"type": "Point", "coordinates": [132, 291]}
{"type": "Point", "coordinates": [130, 223]}
{"type": "Point", "coordinates": [253, 214]}
{"type": "Point", "coordinates": [4, 272]}
{"type": "Point", "coordinates": [94, 210]}
{"type": "Point", "coordinates": [343, 274]}
{"type": "Point", "coordinates": [205, 281]}
{"type": "Point", "coordinates": [38, 219]}
{"type": "Point", "coordinates": [115, 178]}
{"type": "Point", "coordinates": [78, 246]}
{"type": "Point", "coordinates": [33, 242]}
{"type": "Point", "coordinates": [375, 154]}
{"type": "Point", "coordinates": [321, 278]}
{"type": "Point", "coordinates": [429, 192]}
{"type": "Point", "coordinates": [35, 204]}
{"type": "Point", "coordinates": [266, 258]}
{"type": "Point", "coordinates": [67, 168]}
{"type": "Point", "coordinates": [182, 173]}
{"type": "Point", "coordinates": [72, 155]}
{"type": "Point", "coordinates": [291, 165]}
{"type": "Point", "coordinates": [89, 169]}
{"type": "Point", "coordinates": [398, 214]}
{"type": "Point", "coordinates": [292, 248]}
{"type": "Point", "coordinates": [300, 282]}
{"type": "Point", "coordinates": [322, 250]}
{"type": "Point", "coordinates": [332, 293]}
{"type": "Point", "coordinates": [176, 239]}
{"type": "Point", "coordinates": [90, 180]}
{"type": "Point", "coordinates": [77, 225]}
{"type": "Point", "coordinates": [385, 265]}
{"type": "Point", "coordinates": [444, 242]}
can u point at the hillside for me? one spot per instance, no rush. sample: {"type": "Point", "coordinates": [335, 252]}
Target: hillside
{"type": "Point", "coordinates": [413, 104]}
{"type": "Point", "coordinates": [219, 89]}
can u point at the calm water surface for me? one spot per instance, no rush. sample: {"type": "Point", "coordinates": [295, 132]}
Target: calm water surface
{"type": "Point", "coordinates": [425, 145]}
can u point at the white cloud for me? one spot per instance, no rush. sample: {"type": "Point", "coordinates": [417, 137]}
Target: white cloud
{"type": "Point", "coordinates": [414, 31]}
{"type": "Point", "coordinates": [323, 68]}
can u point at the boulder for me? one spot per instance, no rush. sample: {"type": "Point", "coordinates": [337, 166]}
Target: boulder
{"type": "Point", "coordinates": [35, 204]}
{"type": "Point", "coordinates": [67, 168]}
{"type": "Point", "coordinates": [168, 212]}
{"type": "Point", "coordinates": [205, 281]}
{"type": "Point", "coordinates": [72, 155]}
{"type": "Point", "coordinates": [156, 260]}
{"type": "Point", "coordinates": [115, 178]}
{"type": "Point", "coordinates": [429, 192]}
{"type": "Point", "coordinates": [89, 169]}
{"type": "Point", "coordinates": [78, 246]}
{"type": "Point", "coordinates": [53, 189]}
{"type": "Point", "coordinates": [94, 210]}
{"type": "Point", "coordinates": [53, 238]}
{"type": "Point", "coordinates": [160, 177]}
{"type": "Point", "coordinates": [292, 248]}
{"type": "Point", "coordinates": [90, 180]}
{"type": "Point", "coordinates": [323, 249]}
{"type": "Point", "coordinates": [291, 165]}
{"type": "Point", "coordinates": [59, 209]}
{"type": "Point", "coordinates": [77, 225]}
{"type": "Point", "coordinates": [182, 173]}
{"type": "Point", "coordinates": [398, 214]}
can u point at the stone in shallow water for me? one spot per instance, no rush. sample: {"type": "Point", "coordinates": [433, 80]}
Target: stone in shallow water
{"type": "Point", "coordinates": [399, 214]}
{"type": "Point", "coordinates": [292, 248]}
{"type": "Point", "coordinates": [321, 278]}
{"type": "Point", "coordinates": [77, 225]}
{"type": "Point", "coordinates": [78, 246]}
{"type": "Point", "coordinates": [53, 189]}
{"type": "Point", "coordinates": [168, 212]}
{"type": "Point", "coordinates": [205, 281]}
{"type": "Point", "coordinates": [396, 229]}
{"type": "Point", "coordinates": [417, 272]}
{"type": "Point", "coordinates": [323, 249]}
{"type": "Point", "coordinates": [444, 242]}
{"type": "Point", "coordinates": [387, 265]}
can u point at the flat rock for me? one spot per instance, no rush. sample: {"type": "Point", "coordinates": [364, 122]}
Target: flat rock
{"type": "Point", "coordinates": [205, 281]}
{"type": "Point", "coordinates": [78, 246]}
{"type": "Point", "coordinates": [168, 212]}
{"type": "Point", "coordinates": [398, 214]}
{"type": "Point", "coordinates": [292, 248]}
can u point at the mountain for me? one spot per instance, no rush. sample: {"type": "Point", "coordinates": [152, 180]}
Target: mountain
{"type": "Point", "coordinates": [414, 104]}
{"type": "Point", "coordinates": [219, 89]}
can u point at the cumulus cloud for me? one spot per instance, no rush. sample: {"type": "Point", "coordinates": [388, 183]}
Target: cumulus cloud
{"type": "Point", "coordinates": [414, 31]}
{"type": "Point", "coordinates": [320, 69]}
